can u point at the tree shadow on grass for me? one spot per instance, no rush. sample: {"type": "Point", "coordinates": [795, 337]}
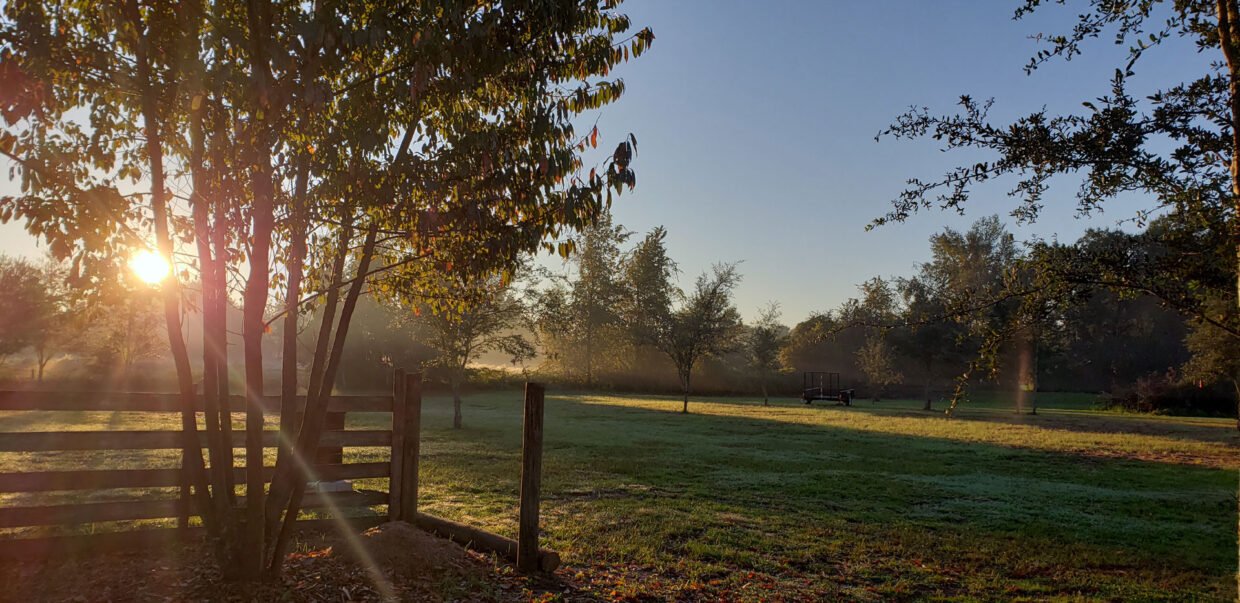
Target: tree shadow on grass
{"type": "Point", "coordinates": [1065, 511]}
{"type": "Point", "coordinates": [1186, 428]}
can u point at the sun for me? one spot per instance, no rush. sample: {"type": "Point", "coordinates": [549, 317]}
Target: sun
{"type": "Point", "coordinates": [149, 266]}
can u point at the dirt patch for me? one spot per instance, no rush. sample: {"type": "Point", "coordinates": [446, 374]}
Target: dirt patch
{"type": "Point", "coordinates": [393, 562]}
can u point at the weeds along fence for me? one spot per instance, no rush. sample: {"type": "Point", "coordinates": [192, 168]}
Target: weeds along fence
{"type": "Point", "coordinates": [136, 494]}
{"type": "Point", "coordinates": [399, 444]}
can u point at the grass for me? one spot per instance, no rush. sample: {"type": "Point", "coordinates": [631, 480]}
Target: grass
{"type": "Point", "coordinates": [878, 501]}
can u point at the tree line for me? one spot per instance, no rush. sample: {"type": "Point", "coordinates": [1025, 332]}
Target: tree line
{"type": "Point", "coordinates": [616, 319]}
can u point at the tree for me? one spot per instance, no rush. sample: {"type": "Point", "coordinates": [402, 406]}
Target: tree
{"type": "Point", "coordinates": [876, 308]}
{"type": "Point", "coordinates": [1180, 146]}
{"type": "Point", "coordinates": [126, 333]}
{"type": "Point", "coordinates": [878, 364]}
{"type": "Point", "coordinates": [766, 338]}
{"type": "Point", "coordinates": [1216, 355]}
{"type": "Point", "coordinates": [930, 344]}
{"type": "Point", "coordinates": [320, 144]}
{"type": "Point", "coordinates": [647, 292]}
{"type": "Point", "coordinates": [705, 324]}
{"type": "Point", "coordinates": [579, 316]}
{"type": "Point", "coordinates": [487, 317]}
{"type": "Point", "coordinates": [23, 295]}
{"type": "Point", "coordinates": [596, 292]}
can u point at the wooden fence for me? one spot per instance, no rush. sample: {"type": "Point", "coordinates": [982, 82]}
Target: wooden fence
{"type": "Point", "coordinates": [403, 439]}
{"type": "Point", "coordinates": [405, 402]}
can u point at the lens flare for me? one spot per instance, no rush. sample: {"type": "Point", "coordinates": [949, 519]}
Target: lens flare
{"type": "Point", "coordinates": [149, 266]}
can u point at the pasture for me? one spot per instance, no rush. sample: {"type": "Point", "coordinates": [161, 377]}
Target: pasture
{"type": "Point", "coordinates": [874, 502]}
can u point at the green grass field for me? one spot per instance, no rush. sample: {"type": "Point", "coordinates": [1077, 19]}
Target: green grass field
{"type": "Point", "coordinates": [878, 501]}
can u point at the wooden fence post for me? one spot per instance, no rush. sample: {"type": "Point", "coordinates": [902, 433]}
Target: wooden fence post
{"type": "Point", "coordinates": [531, 476]}
{"type": "Point", "coordinates": [331, 455]}
{"type": "Point", "coordinates": [398, 443]}
{"type": "Point", "coordinates": [411, 447]}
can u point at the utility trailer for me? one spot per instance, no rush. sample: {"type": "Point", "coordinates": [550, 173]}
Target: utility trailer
{"type": "Point", "coordinates": [824, 386]}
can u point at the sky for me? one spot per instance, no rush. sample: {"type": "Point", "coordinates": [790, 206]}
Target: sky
{"type": "Point", "coordinates": [756, 122]}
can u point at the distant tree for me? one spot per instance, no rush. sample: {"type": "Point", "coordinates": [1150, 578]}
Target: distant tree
{"type": "Point", "coordinates": [126, 330]}
{"type": "Point", "coordinates": [766, 338]}
{"type": "Point", "coordinates": [69, 312]}
{"type": "Point", "coordinates": [705, 324]}
{"type": "Point", "coordinates": [596, 291]}
{"type": "Point", "coordinates": [556, 326]}
{"type": "Point", "coordinates": [380, 340]}
{"type": "Point", "coordinates": [875, 310]}
{"type": "Point", "coordinates": [647, 289]}
{"type": "Point", "coordinates": [579, 315]}
{"type": "Point", "coordinates": [1216, 354]}
{"type": "Point", "coordinates": [822, 342]}
{"type": "Point", "coordinates": [878, 363]}
{"type": "Point", "coordinates": [928, 343]}
{"type": "Point", "coordinates": [484, 316]}
{"type": "Point", "coordinates": [26, 304]}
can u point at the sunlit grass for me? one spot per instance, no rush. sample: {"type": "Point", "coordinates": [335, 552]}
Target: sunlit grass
{"type": "Point", "coordinates": [881, 500]}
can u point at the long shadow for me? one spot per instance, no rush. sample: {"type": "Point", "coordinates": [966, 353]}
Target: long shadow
{"type": "Point", "coordinates": [1178, 516]}
{"type": "Point", "coordinates": [1079, 421]}
{"type": "Point", "coordinates": [770, 473]}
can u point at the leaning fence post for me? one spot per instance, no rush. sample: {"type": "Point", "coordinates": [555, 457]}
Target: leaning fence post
{"type": "Point", "coordinates": [411, 447]}
{"type": "Point", "coordinates": [531, 474]}
{"type": "Point", "coordinates": [398, 442]}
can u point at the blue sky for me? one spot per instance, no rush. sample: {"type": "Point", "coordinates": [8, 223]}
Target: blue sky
{"type": "Point", "coordinates": [756, 124]}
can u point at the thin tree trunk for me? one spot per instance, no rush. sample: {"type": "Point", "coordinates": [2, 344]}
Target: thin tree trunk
{"type": "Point", "coordinates": [1229, 40]}
{"type": "Point", "coordinates": [288, 369]}
{"type": "Point", "coordinates": [589, 357]}
{"type": "Point", "coordinates": [287, 471]}
{"type": "Point", "coordinates": [456, 400]}
{"type": "Point", "coordinates": [192, 453]}
{"type": "Point", "coordinates": [684, 386]}
{"type": "Point", "coordinates": [312, 421]}
{"type": "Point", "coordinates": [766, 401]}
{"type": "Point", "coordinates": [1026, 380]}
{"type": "Point", "coordinates": [214, 360]}
{"type": "Point", "coordinates": [287, 481]}
{"type": "Point", "coordinates": [219, 346]}
{"type": "Point", "coordinates": [926, 393]}
{"type": "Point", "coordinates": [1236, 383]}
{"type": "Point", "coordinates": [258, 16]}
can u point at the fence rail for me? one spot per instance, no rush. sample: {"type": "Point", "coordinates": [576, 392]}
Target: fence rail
{"type": "Point", "coordinates": [404, 402]}
{"type": "Point", "coordinates": [403, 440]}
{"type": "Point", "coordinates": [154, 402]}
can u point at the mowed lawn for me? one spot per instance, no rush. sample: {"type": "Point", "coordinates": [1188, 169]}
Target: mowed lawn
{"type": "Point", "coordinates": [879, 501]}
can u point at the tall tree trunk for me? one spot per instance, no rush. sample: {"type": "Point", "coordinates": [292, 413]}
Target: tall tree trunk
{"type": "Point", "coordinates": [258, 16]}
{"type": "Point", "coordinates": [684, 386]}
{"type": "Point", "coordinates": [1027, 380]}
{"type": "Point", "coordinates": [289, 406]}
{"type": "Point", "coordinates": [456, 399]}
{"type": "Point", "coordinates": [926, 394]}
{"type": "Point", "coordinates": [218, 335]}
{"type": "Point", "coordinates": [214, 359]}
{"type": "Point", "coordinates": [589, 356]}
{"type": "Point", "coordinates": [289, 468]}
{"type": "Point", "coordinates": [316, 408]}
{"type": "Point", "coordinates": [192, 458]}
{"type": "Point", "coordinates": [1229, 39]}
{"type": "Point", "coordinates": [1235, 382]}
{"type": "Point", "coordinates": [766, 400]}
